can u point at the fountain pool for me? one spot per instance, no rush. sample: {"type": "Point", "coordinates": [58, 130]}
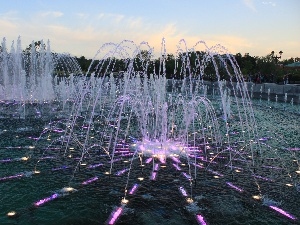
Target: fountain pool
{"type": "Point", "coordinates": [150, 150]}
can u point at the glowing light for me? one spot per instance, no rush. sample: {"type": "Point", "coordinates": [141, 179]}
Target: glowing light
{"type": "Point", "coordinates": [133, 189]}
{"type": "Point", "coordinates": [283, 212]}
{"type": "Point", "coordinates": [256, 197]}
{"type": "Point", "coordinates": [90, 180]}
{"type": "Point", "coordinates": [215, 172]}
{"type": "Point", "coordinates": [262, 178]}
{"type": "Point", "coordinates": [298, 171]}
{"type": "Point", "coordinates": [153, 176]}
{"type": "Point", "coordinates": [95, 165]}
{"type": "Point", "coordinates": [67, 189]}
{"type": "Point", "coordinates": [140, 178]}
{"type": "Point", "coordinates": [187, 176]}
{"type": "Point", "coordinates": [124, 201]}
{"type": "Point", "coordinates": [183, 191]}
{"type": "Point", "coordinates": [156, 166]}
{"type": "Point", "coordinates": [175, 159]}
{"type": "Point", "coordinates": [289, 185]}
{"type": "Point", "coordinates": [148, 160]}
{"type": "Point", "coordinates": [234, 187]}
{"type": "Point", "coordinates": [114, 216]}
{"type": "Point", "coordinates": [189, 200]}
{"type": "Point", "coordinates": [45, 200]}
{"type": "Point", "coordinates": [200, 219]}
{"type": "Point", "coordinates": [119, 173]}
{"type": "Point", "coordinates": [176, 166]}
{"type": "Point", "coordinates": [12, 177]}
{"type": "Point", "coordinates": [11, 213]}
{"type": "Point", "coordinates": [24, 158]}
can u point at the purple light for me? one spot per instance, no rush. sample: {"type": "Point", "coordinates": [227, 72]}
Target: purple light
{"type": "Point", "coordinates": [43, 201]}
{"type": "Point", "coordinates": [115, 160]}
{"type": "Point", "coordinates": [262, 178]}
{"type": "Point", "coordinates": [114, 216]}
{"type": "Point", "coordinates": [200, 219]}
{"type": "Point", "coordinates": [201, 167]}
{"type": "Point", "coordinates": [95, 165]}
{"type": "Point", "coordinates": [183, 191]}
{"type": "Point", "coordinates": [234, 187]}
{"type": "Point", "coordinates": [12, 177]}
{"type": "Point", "coordinates": [187, 176]}
{"type": "Point", "coordinates": [148, 160]}
{"type": "Point", "coordinates": [5, 160]}
{"type": "Point", "coordinates": [294, 149]}
{"type": "Point", "coordinates": [60, 168]}
{"type": "Point", "coordinates": [283, 212]}
{"type": "Point", "coordinates": [272, 167]}
{"type": "Point", "coordinates": [133, 189]}
{"type": "Point", "coordinates": [175, 159]}
{"type": "Point", "coordinates": [215, 172]}
{"type": "Point", "coordinates": [90, 180]}
{"type": "Point", "coordinates": [153, 176]}
{"type": "Point", "coordinates": [162, 160]}
{"type": "Point", "coordinates": [234, 167]}
{"type": "Point", "coordinates": [119, 173]}
{"type": "Point", "coordinates": [156, 166]}
{"type": "Point", "coordinates": [176, 166]}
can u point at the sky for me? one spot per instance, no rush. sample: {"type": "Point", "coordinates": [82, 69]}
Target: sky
{"type": "Point", "coordinates": [81, 27]}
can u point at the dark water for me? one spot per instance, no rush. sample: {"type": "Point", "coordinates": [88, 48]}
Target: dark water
{"type": "Point", "coordinates": [155, 202]}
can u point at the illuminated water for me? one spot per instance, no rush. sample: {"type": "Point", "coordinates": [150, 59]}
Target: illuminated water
{"type": "Point", "coordinates": [174, 149]}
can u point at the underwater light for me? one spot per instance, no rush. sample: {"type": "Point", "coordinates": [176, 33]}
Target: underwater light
{"type": "Point", "coordinates": [90, 180]}
{"type": "Point", "coordinates": [95, 165]}
{"type": "Point", "coordinates": [175, 159]}
{"type": "Point", "coordinates": [119, 173]}
{"type": "Point", "coordinates": [11, 214]}
{"type": "Point", "coordinates": [124, 201]}
{"type": "Point", "coordinates": [114, 216]}
{"type": "Point", "coordinates": [45, 200]}
{"type": "Point", "coordinates": [234, 187]}
{"type": "Point", "coordinates": [153, 175]}
{"type": "Point", "coordinates": [189, 200]}
{"type": "Point", "coordinates": [148, 160]}
{"type": "Point", "coordinates": [12, 177]}
{"type": "Point", "coordinates": [256, 197]}
{"type": "Point", "coordinates": [282, 212]}
{"type": "Point", "coordinates": [133, 189]}
{"type": "Point", "coordinates": [187, 176]}
{"type": "Point", "coordinates": [176, 166]}
{"type": "Point", "coordinates": [200, 219]}
{"type": "Point", "coordinates": [67, 189]}
{"type": "Point", "coordinates": [183, 191]}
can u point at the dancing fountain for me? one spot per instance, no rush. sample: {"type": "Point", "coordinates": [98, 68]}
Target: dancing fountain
{"type": "Point", "coordinates": [143, 149]}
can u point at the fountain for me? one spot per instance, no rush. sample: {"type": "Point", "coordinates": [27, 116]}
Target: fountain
{"type": "Point", "coordinates": [144, 149]}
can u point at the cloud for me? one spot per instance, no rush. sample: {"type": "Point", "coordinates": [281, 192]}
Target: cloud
{"type": "Point", "coordinates": [117, 18]}
{"type": "Point", "coordinates": [269, 3]}
{"type": "Point", "coordinates": [250, 4]}
{"type": "Point", "coordinates": [55, 14]}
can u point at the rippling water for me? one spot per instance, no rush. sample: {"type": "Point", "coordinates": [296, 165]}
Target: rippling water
{"type": "Point", "coordinates": [155, 202]}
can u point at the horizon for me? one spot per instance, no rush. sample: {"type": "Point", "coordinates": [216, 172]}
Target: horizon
{"type": "Point", "coordinates": [80, 28]}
